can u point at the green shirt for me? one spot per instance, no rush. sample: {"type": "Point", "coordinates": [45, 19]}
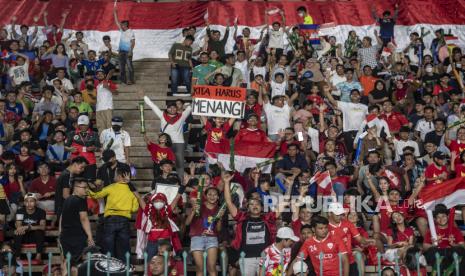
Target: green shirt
{"type": "Point", "coordinates": [83, 107]}
{"type": "Point", "coordinates": [201, 71]}
{"type": "Point", "coordinates": [215, 63]}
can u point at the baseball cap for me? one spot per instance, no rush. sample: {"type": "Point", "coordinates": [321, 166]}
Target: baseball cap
{"type": "Point", "coordinates": [404, 129]}
{"type": "Point", "coordinates": [336, 208]}
{"type": "Point", "coordinates": [299, 267]}
{"type": "Point", "coordinates": [439, 154]}
{"type": "Point", "coordinates": [83, 120]}
{"type": "Point", "coordinates": [30, 195]}
{"type": "Point", "coordinates": [287, 233]}
{"type": "Point", "coordinates": [117, 121]}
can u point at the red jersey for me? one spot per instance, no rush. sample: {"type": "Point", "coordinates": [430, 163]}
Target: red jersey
{"type": "Point", "coordinates": [216, 137]}
{"type": "Point", "coordinates": [443, 236]}
{"type": "Point", "coordinates": [251, 135]}
{"type": "Point", "coordinates": [401, 236]}
{"type": "Point", "coordinates": [386, 211]}
{"type": "Point", "coordinates": [460, 170]}
{"type": "Point", "coordinates": [345, 232]}
{"type": "Point", "coordinates": [272, 260]}
{"type": "Point", "coordinates": [203, 225]}
{"type": "Point", "coordinates": [404, 271]}
{"type": "Point", "coordinates": [438, 89]}
{"type": "Point", "coordinates": [54, 38]}
{"type": "Point", "coordinates": [458, 147]}
{"type": "Point", "coordinates": [257, 109]}
{"type": "Point", "coordinates": [433, 171]}
{"type": "Point", "coordinates": [394, 121]}
{"type": "Point", "coordinates": [37, 186]}
{"type": "Point", "coordinates": [330, 246]}
{"type": "Point", "coordinates": [363, 233]}
{"type": "Point", "coordinates": [159, 153]}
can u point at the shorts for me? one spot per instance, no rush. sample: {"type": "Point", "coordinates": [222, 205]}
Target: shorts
{"type": "Point", "coordinates": [202, 243]}
{"type": "Point", "coordinates": [74, 247]}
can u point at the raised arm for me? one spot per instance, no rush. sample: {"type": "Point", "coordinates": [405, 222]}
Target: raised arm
{"type": "Point", "coordinates": [227, 194]}
{"type": "Point", "coordinates": [327, 94]}
{"type": "Point", "coordinates": [13, 27]}
{"type": "Point", "coordinates": [45, 19]}
{"type": "Point", "coordinates": [115, 16]}
{"type": "Point", "coordinates": [373, 14]}
{"type": "Point", "coordinates": [36, 28]}
{"type": "Point", "coordinates": [154, 107]}
{"type": "Point", "coordinates": [396, 12]}
{"type": "Point", "coordinates": [64, 15]}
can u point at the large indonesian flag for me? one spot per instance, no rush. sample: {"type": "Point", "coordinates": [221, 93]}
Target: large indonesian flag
{"type": "Point", "coordinates": [158, 25]}
{"type": "Point", "coordinates": [248, 155]}
{"type": "Point", "coordinates": [450, 193]}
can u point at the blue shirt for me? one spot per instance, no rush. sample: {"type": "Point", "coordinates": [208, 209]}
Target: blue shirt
{"type": "Point", "coordinates": [92, 66]}
{"type": "Point", "coordinates": [286, 163]}
{"type": "Point", "coordinates": [345, 88]}
{"type": "Point", "coordinates": [17, 109]}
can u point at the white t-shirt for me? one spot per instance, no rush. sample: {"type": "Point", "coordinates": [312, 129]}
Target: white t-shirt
{"type": "Point", "coordinates": [67, 84]}
{"type": "Point", "coordinates": [244, 67]}
{"type": "Point", "coordinates": [104, 98]}
{"type": "Point", "coordinates": [278, 89]}
{"type": "Point", "coordinates": [424, 127]}
{"type": "Point", "coordinates": [335, 80]}
{"type": "Point", "coordinates": [276, 39]}
{"type": "Point", "coordinates": [120, 141]}
{"type": "Point", "coordinates": [104, 48]}
{"type": "Point", "coordinates": [19, 73]}
{"type": "Point", "coordinates": [399, 145]}
{"type": "Point", "coordinates": [353, 115]}
{"type": "Point", "coordinates": [277, 117]}
{"type": "Point", "coordinates": [125, 40]}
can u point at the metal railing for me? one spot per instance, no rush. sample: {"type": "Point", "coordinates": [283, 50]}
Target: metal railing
{"type": "Point", "coordinates": [129, 269]}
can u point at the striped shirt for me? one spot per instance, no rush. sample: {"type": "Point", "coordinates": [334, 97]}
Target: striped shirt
{"type": "Point", "coordinates": [368, 56]}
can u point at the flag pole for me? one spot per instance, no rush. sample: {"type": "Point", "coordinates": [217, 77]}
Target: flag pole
{"type": "Point", "coordinates": [432, 227]}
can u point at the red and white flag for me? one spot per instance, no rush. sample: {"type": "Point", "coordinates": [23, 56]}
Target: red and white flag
{"type": "Point", "coordinates": [450, 193]}
{"type": "Point", "coordinates": [392, 178]}
{"type": "Point", "coordinates": [372, 120]}
{"type": "Point", "coordinates": [273, 11]}
{"type": "Point", "coordinates": [323, 179]}
{"type": "Point", "coordinates": [248, 155]}
{"type": "Point", "coordinates": [451, 39]}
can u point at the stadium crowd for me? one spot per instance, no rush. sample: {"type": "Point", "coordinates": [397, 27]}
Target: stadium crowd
{"type": "Point", "coordinates": [354, 120]}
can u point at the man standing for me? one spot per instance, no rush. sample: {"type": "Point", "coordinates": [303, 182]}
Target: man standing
{"type": "Point", "coordinates": [323, 242]}
{"type": "Point", "coordinates": [180, 56]}
{"type": "Point", "coordinates": [172, 124]}
{"type": "Point", "coordinates": [202, 70]}
{"type": "Point", "coordinates": [75, 232]}
{"type": "Point", "coordinates": [116, 139]}
{"type": "Point", "coordinates": [104, 105]}
{"type": "Point", "coordinates": [126, 49]}
{"type": "Point", "coordinates": [120, 204]}
{"type": "Point", "coordinates": [84, 142]}
{"type": "Point", "coordinates": [63, 187]}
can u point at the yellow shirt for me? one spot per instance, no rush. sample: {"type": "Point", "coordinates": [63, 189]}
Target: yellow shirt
{"type": "Point", "coordinates": [308, 19]}
{"type": "Point", "coordinates": [120, 200]}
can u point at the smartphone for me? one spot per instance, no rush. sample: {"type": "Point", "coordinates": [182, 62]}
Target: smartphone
{"type": "Point", "coordinates": [300, 136]}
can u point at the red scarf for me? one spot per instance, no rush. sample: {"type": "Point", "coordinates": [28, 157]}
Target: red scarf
{"type": "Point", "coordinates": [171, 120]}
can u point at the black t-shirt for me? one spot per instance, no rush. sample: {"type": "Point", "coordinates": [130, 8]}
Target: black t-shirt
{"type": "Point", "coordinates": [107, 174]}
{"type": "Point", "coordinates": [71, 227]}
{"type": "Point", "coordinates": [108, 67]}
{"type": "Point", "coordinates": [255, 237]}
{"type": "Point", "coordinates": [379, 94]}
{"type": "Point", "coordinates": [433, 137]}
{"type": "Point", "coordinates": [30, 219]}
{"type": "Point", "coordinates": [63, 181]}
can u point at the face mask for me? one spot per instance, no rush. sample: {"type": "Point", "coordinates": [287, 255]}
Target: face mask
{"type": "Point", "coordinates": [90, 87]}
{"type": "Point", "coordinates": [429, 69]}
{"type": "Point", "coordinates": [116, 128]}
{"type": "Point", "coordinates": [159, 205]}
{"type": "Point", "coordinates": [301, 14]}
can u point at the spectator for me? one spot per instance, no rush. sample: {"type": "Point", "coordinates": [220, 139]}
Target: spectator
{"type": "Point", "coordinates": [104, 104]}
{"type": "Point", "coordinates": [117, 139]}
{"type": "Point", "coordinates": [44, 187]}
{"type": "Point", "coordinates": [53, 32]}
{"type": "Point", "coordinates": [172, 124]}
{"type": "Point", "coordinates": [84, 142]}
{"type": "Point", "coordinates": [386, 24]}
{"type": "Point", "coordinates": [126, 46]}
{"type": "Point", "coordinates": [215, 43]}
{"type": "Point", "coordinates": [278, 112]}
{"type": "Point", "coordinates": [367, 54]}
{"type": "Point", "coordinates": [30, 226]}
{"type": "Point", "coordinates": [180, 56]}
{"type": "Point", "coordinates": [57, 156]}
{"type": "Point", "coordinates": [120, 204]}
{"type": "Point", "coordinates": [345, 87]}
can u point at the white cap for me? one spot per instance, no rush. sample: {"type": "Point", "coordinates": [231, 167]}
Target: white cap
{"type": "Point", "coordinates": [287, 233]}
{"type": "Point", "coordinates": [83, 120]}
{"type": "Point", "coordinates": [299, 267]}
{"type": "Point", "coordinates": [336, 208]}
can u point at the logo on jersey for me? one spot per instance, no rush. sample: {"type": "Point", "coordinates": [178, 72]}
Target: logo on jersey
{"type": "Point", "coordinates": [330, 245]}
